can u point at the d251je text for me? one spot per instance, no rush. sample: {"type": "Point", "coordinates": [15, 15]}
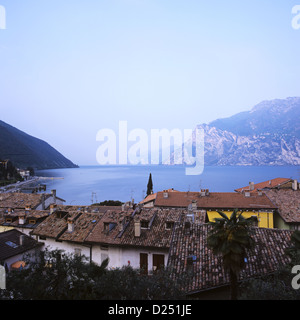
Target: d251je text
{"type": "Point", "coordinates": [171, 309]}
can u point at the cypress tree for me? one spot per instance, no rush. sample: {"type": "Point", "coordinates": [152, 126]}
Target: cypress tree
{"type": "Point", "coordinates": [150, 185]}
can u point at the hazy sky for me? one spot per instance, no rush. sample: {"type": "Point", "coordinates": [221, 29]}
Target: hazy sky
{"type": "Point", "coordinates": [70, 68]}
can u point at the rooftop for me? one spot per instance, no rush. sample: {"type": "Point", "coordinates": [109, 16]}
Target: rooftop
{"type": "Point", "coordinates": [273, 183]}
{"type": "Point", "coordinates": [214, 200]}
{"type": "Point", "coordinates": [288, 203]}
{"type": "Point", "coordinates": [157, 228]}
{"type": "Point", "coordinates": [10, 244]}
{"type": "Point", "coordinates": [31, 218]}
{"type": "Point", "coordinates": [189, 252]}
{"type": "Point", "coordinates": [18, 200]}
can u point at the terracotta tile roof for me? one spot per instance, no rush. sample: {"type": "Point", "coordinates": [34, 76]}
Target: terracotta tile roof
{"type": "Point", "coordinates": [217, 200]}
{"type": "Point", "coordinates": [158, 234]}
{"type": "Point", "coordinates": [91, 209]}
{"type": "Point", "coordinates": [207, 268]}
{"type": "Point", "coordinates": [152, 197]}
{"type": "Point", "coordinates": [273, 183]}
{"type": "Point", "coordinates": [156, 228]}
{"type": "Point", "coordinates": [19, 200]}
{"type": "Point", "coordinates": [55, 224]}
{"type": "Point", "coordinates": [149, 198]}
{"type": "Point", "coordinates": [10, 244]}
{"type": "Point", "coordinates": [83, 225]}
{"type": "Point", "coordinates": [107, 229]}
{"type": "Point", "coordinates": [29, 216]}
{"type": "Point", "coordinates": [288, 203]}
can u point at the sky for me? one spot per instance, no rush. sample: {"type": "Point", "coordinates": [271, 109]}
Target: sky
{"type": "Point", "coordinates": [71, 68]}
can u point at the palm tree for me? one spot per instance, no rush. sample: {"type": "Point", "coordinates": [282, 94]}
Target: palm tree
{"type": "Point", "coordinates": [294, 250]}
{"type": "Point", "coordinates": [230, 237]}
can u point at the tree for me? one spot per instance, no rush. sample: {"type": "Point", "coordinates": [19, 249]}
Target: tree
{"type": "Point", "coordinates": [230, 237]}
{"type": "Point", "coordinates": [294, 250]}
{"type": "Point", "coordinates": [149, 185]}
{"type": "Point", "coordinates": [57, 275]}
{"type": "Point", "coordinates": [54, 275]}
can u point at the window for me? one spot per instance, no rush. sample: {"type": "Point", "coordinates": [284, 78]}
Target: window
{"type": "Point", "coordinates": [158, 262]}
{"type": "Point", "coordinates": [108, 226]}
{"type": "Point", "coordinates": [11, 244]}
{"type": "Point", "coordinates": [169, 225]}
{"type": "Point", "coordinates": [144, 224]}
{"type": "Point", "coordinates": [77, 251]}
{"type": "Point", "coordinates": [144, 263]}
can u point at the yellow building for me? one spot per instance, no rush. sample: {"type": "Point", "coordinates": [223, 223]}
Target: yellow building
{"type": "Point", "coordinates": [250, 203]}
{"type": "Point", "coordinates": [264, 218]}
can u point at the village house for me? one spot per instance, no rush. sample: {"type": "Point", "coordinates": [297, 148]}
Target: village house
{"type": "Point", "coordinates": [67, 230]}
{"type": "Point", "coordinates": [24, 220]}
{"type": "Point", "coordinates": [136, 237]}
{"type": "Point", "coordinates": [171, 232]}
{"type": "Point", "coordinates": [285, 194]}
{"type": "Point", "coordinates": [149, 201]}
{"type": "Point", "coordinates": [140, 239]}
{"type": "Point", "coordinates": [208, 203]}
{"type": "Point", "coordinates": [190, 255]}
{"type": "Point", "coordinates": [14, 245]}
{"type": "Point", "coordinates": [277, 183]}
{"type": "Point", "coordinates": [40, 201]}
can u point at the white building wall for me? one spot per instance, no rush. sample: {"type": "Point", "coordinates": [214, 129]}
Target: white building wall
{"type": "Point", "coordinates": [119, 257]}
{"type": "Point", "coordinates": [48, 201]}
{"type": "Point", "coordinates": [31, 253]}
{"type": "Point", "coordinates": [68, 247]}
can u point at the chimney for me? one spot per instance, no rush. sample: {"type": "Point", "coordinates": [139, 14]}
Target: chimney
{"type": "Point", "coordinates": [121, 222]}
{"type": "Point", "coordinates": [202, 193]}
{"type": "Point", "coordinates": [54, 195]}
{"type": "Point", "coordinates": [295, 185]}
{"type": "Point", "coordinates": [251, 186]}
{"type": "Point", "coordinates": [52, 208]}
{"type": "Point", "coordinates": [137, 227]}
{"type": "Point", "coordinates": [22, 239]}
{"type": "Point", "coordinates": [43, 201]}
{"type": "Point", "coordinates": [194, 205]}
{"type": "Point", "coordinates": [22, 219]}
{"type": "Point", "coordinates": [9, 210]}
{"type": "Point", "coordinates": [166, 195]}
{"type": "Point", "coordinates": [247, 194]}
{"type": "Point", "coordinates": [28, 207]}
{"type": "Point", "coordinates": [70, 225]}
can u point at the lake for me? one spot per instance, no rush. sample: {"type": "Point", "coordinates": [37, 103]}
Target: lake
{"type": "Point", "coordinates": [90, 184]}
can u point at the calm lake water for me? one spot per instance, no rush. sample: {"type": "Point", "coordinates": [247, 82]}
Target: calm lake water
{"type": "Point", "coordinates": [90, 184]}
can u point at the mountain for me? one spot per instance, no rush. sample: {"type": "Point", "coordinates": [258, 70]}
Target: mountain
{"type": "Point", "coordinates": [279, 116]}
{"type": "Point", "coordinates": [26, 151]}
{"type": "Point", "coordinates": [268, 134]}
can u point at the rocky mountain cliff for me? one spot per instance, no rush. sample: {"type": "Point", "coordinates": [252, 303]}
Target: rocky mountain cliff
{"type": "Point", "coordinates": [269, 134]}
